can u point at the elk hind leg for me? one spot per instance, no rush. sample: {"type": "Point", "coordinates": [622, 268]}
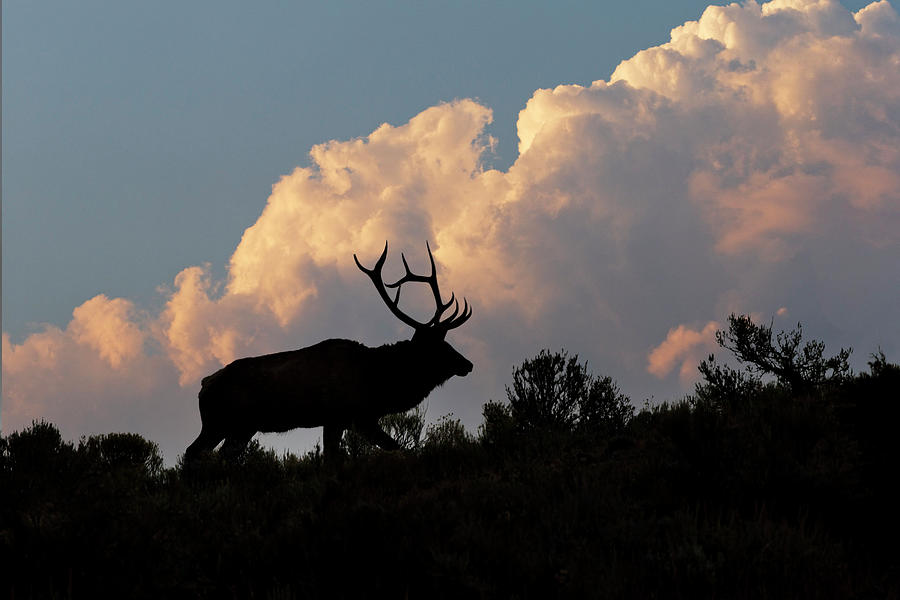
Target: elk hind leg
{"type": "Point", "coordinates": [205, 442]}
{"type": "Point", "coordinates": [235, 444]}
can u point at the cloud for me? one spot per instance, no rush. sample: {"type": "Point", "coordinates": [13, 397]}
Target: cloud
{"type": "Point", "coordinates": [401, 183]}
{"type": "Point", "coordinates": [94, 376]}
{"type": "Point", "coordinates": [752, 162]}
{"type": "Point", "coordinates": [107, 327]}
{"type": "Point", "coordinates": [682, 345]}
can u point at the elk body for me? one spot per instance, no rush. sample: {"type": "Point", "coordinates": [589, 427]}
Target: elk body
{"type": "Point", "coordinates": [334, 384]}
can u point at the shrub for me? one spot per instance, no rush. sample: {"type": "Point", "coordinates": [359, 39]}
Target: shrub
{"type": "Point", "coordinates": [446, 432]}
{"type": "Point", "coordinates": [803, 369]}
{"type": "Point", "coordinates": [36, 449]}
{"type": "Point", "coordinates": [498, 427]}
{"type": "Point", "coordinates": [546, 390]}
{"type": "Point", "coordinates": [406, 428]}
{"type": "Point", "coordinates": [723, 387]}
{"type": "Point", "coordinates": [605, 409]}
{"type": "Point", "coordinates": [556, 392]}
{"type": "Point", "coordinates": [115, 451]}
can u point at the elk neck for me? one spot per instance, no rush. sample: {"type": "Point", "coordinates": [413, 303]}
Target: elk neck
{"type": "Point", "coordinates": [414, 366]}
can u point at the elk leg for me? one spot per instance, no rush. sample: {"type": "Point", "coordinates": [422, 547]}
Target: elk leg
{"type": "Point", "coordinates": [235, 444]}
{"type": "Point", "coordinates": [375, 434]}
{"type": "Point", "coordinates": [205, 442]}
{"type": "Point", "coordinates": [332, 435]}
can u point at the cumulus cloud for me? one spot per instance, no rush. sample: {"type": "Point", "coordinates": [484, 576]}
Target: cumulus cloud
{"type": "Point", "coordinates": [94, 376]}
{"type": "Point", "coordinates": [108, 328]}
{"type": "Point", "coordinates": [751, 162]}
{"type": "Point", "coordinates": [683, 345]}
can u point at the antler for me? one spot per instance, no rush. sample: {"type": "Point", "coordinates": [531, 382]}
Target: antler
{"type": "Point", "coordinates": [453, 321]}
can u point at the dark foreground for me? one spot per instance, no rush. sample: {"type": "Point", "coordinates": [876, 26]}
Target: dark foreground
{"type": "Point", "coordinates": [767, 494]}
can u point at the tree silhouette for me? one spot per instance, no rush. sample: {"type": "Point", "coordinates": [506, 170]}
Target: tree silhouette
{"type": "Point", "coordinates": [801, 367]}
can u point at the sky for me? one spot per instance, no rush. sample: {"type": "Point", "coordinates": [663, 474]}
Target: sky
{"type": "Point", "coordinates": [184, 185]}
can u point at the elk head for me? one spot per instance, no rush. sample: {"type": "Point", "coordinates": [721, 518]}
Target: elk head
{"type": "Point", "coordinates": [430, 335]}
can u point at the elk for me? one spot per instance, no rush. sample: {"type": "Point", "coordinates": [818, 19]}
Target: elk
{"type": "Point", "coordinates": [336, 383]}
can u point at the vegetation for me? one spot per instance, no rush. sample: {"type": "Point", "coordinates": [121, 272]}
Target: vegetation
{"type": "Point", "coordinates": [747, 488]}
{"type": "Point", "coordinates": [802, 369]}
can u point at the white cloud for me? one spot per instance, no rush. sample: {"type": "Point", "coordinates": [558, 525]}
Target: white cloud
{"type": "Point", "coordinates": [684, 345]}
{"type": "Point", "coordinates": [749, 163]}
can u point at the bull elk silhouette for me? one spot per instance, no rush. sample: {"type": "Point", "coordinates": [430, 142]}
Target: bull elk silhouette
{"type": "Point", "coordinates": [336, 383]}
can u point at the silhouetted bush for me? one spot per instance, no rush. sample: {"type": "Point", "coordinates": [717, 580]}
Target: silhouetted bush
{"type": "Point", "coordinates": [447, 432]}
{"type": "Point", "coordinates": [37, 449]}
{"type": "Point", "coordinates": [604, 409]}
{"type": "Point", "coordinates": [498, 428]}
{"type": "Point", "coordinates": [723, 387]}
{"type": "Point", "coordinates": [117, 451]}
{"type": "Point", "coordinates": [555, 392]}
{"type": "Point", "coordinates": [406, 429]}
{"type": "Point", "coordinates": [545, 391]}
{"type": "Point", "coordinates": [803, 369]}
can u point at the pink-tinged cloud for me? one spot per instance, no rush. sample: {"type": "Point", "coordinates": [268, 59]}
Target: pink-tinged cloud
{"type": "Point", "coordinates": [684, 347]}
{"type": "Point", "coordinates": [94, 376]}
{"type": "Point", "coordinates": [108, 327]}
{"type": "Point", "coordinates": [749, 163]}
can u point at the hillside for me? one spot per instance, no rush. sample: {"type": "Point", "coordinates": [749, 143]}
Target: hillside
{"type": "Point", "coordinates": [745, 489]}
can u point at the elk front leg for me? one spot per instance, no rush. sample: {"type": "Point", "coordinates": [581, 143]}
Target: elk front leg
{"type": "Point", "coordinates": [375, 434]}
{"type": "Point", "coordinates": [331, 439]}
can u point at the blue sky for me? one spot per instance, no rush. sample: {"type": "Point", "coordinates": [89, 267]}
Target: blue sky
{"type": "Point", "coordinates": [746, 165]}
